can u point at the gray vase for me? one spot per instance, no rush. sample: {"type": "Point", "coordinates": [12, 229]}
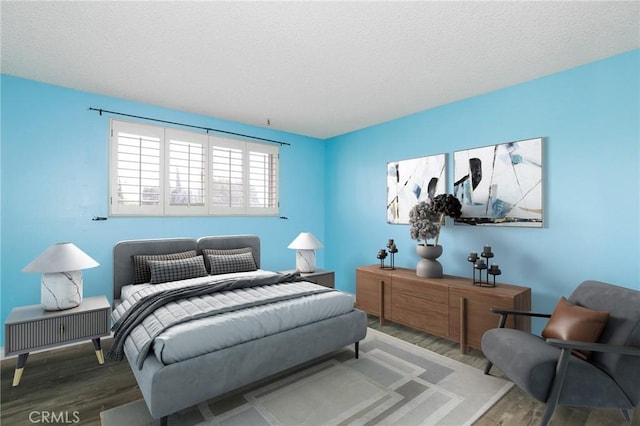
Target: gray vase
{"type": "Point", "coordinates": [428, 266]}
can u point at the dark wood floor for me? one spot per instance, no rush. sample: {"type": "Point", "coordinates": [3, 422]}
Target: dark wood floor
{"type": "Point", "coordinates": [70, 382]}
{"type": "Point", "coordinates": [65, 381]}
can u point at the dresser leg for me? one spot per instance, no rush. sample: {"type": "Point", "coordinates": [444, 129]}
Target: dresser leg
{"type": "Point", "coordinates": [381, 301]}
{"type": "Point", "coordinates": [17, 375]}
{"type": "Point", "coordinates": [98, 348]}
{"type": "Point", "coordinates": [464, 348]}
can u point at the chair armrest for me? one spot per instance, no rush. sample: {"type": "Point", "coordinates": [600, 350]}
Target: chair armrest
{"type": "Point", "coordinates": [595, 347]}
{"type": "Point", "coordinates": [503, 311]}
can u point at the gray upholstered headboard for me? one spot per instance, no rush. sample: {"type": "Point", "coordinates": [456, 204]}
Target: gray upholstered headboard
{"type": "Point", "coordinates": [123, 270]}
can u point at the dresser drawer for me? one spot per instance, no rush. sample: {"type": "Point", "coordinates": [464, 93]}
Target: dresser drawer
{"type": "Point", "coordinates": [437, 293]}
{"type": "Point", "coordinates": [420, 305]}
{"type": "Point", "coordinates": [470, 313]}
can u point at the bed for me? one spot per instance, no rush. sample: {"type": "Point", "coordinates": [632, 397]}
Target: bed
{"type": "Point", "coordinates": [230, 356]}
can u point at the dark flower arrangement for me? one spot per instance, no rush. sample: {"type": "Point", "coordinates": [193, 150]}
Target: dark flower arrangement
{"type": "Point", "coordinates": [426, 218]}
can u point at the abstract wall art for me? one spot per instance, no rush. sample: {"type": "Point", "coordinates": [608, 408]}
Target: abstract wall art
{"type": "Point", "coordinates": [411, 181]}
{"type": "Point", "coordinates": [500, 184]}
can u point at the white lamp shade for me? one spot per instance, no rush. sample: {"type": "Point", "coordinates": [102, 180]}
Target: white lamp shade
{"type": "Point", "coordinates": [61, 257]}
{"type": "Point", "coordinates": [61, 284]}
{"type": "Point", "coordinates": [305, 241]}
{"type": "Point", "coordinates": [305, 244]}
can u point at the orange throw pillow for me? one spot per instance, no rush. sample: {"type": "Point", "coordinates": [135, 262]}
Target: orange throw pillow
{"type": "Point", "coordinates": [573, 322]}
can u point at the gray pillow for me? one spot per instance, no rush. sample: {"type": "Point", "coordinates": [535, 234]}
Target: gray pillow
{"type": "Point", "coordinates": [207, 252]}
{"type": "Point", "coordinates": [163, 271]}
{"type": "Point", "coordinates": [141, 266]}
{"type": "Point", "coordinates": [229, 263]}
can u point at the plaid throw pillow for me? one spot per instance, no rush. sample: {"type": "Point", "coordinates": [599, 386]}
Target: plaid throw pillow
{"type": "Point", "coordinates": [141, 266]}
{"type": "Point", "coordinates": [163, 271]}
{"type": "Point", "coordinates": [207, 252]}
{"type": "Point", "coordinates": [228, 263]}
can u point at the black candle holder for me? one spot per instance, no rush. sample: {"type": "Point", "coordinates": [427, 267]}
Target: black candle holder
{"type": "Point", "coordinates": [493, 271]}
{"type": "Point", "coordinates": [393, 249]}
{"type": "Point", "coordinates": [382, 255]}
{"type": "Point", "coordinates": [481, 265]}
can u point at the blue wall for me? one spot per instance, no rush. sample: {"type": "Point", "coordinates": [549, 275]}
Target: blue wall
{"type": "Point", "coordinates": [589, 117]}
{"type": "Point", "coordinates": [55, 179]}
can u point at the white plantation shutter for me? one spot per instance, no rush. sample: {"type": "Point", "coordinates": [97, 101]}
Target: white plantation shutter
{"type": "Point", "coordinates": [228, 176]}
{"type": "Point", "coordinates": [186, 172]}
{"type": "Point", "coordinates": [136, 164]}
{"type": "Point", "coordinates": [263, 179]}
{"type": "Point", "coordinates": [166, 171]}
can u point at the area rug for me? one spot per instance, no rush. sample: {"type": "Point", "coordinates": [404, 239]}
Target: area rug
{"type": "Point", "coordinates": [392, 383]}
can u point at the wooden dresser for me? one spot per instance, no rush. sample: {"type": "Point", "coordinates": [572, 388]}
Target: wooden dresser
{"type": "Point", "coordinates": [450, 307]}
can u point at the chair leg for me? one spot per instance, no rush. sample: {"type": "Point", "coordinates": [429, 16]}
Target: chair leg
{"type": "Point", "coordinates": [548, 413]}
{"type": "Point", "coordinates": [625, 414]}
{"type": "Point", "coordinates": [501, 324]}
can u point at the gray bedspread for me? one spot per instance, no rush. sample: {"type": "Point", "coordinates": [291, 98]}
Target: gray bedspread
{"type": "Point", "coordinates": [139, 323]}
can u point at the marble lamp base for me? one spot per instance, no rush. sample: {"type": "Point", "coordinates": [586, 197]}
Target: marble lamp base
{"type": "Point", "coordinates": [305, 261]}
{"type": "Point", "coordinates": [61, 290]}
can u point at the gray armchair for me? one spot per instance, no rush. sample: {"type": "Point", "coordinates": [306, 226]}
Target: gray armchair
{"type": "Point", "coordinates": [547, 370]}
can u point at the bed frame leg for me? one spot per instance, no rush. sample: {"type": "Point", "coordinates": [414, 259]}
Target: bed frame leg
{"type": "Point", "coordinates": [357, 349]}
{"type": "Point", "coordinates": [162, 421]}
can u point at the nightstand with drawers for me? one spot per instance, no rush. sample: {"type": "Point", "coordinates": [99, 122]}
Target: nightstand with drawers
{"type": "Point", "coordinates": [31, 328]}
{"type": "Point", "coordinates": [319, 276]}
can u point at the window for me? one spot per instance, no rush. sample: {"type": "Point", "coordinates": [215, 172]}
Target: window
{"type": "Point", "coordinates": [227, 176]}
{"type": "Point", "coordinates": [263, 167]}
{"type": "Point", "coordinates": [186, 172]}
{"type": "Point", "coordinates": [159, 171]}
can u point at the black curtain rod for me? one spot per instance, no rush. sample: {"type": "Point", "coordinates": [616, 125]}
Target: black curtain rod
{"type": "Point", "coordinates": [208, 129]}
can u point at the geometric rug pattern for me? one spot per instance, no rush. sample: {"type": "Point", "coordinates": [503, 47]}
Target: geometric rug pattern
{"type": "Point", "coordinates": [392, 383]}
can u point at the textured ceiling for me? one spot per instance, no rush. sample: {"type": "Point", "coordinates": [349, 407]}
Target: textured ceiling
{"type": "Point", "coordinates": [314, 68]}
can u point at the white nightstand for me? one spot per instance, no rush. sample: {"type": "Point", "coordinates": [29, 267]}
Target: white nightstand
{"type": "Point", "coordinates": [30, 328]}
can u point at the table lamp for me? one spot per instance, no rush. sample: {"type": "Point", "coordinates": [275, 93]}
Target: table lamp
{"type": "Point", "coordinates": [61, 284]}
{"type": "Point", "coordinates": [305, 244]}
